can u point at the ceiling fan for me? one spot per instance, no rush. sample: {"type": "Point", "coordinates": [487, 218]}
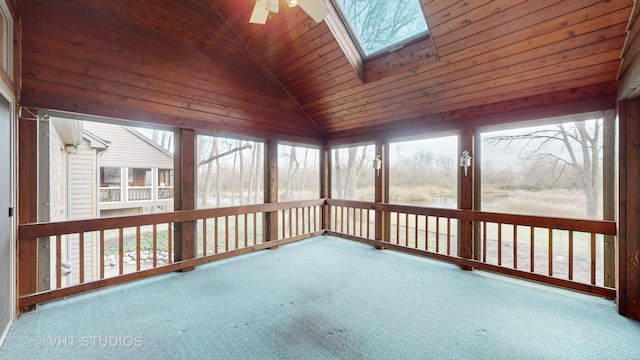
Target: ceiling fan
{"type": "Point", "coordinates": [261, 10]}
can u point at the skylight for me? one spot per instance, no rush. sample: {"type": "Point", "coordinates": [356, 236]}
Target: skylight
{"type": "Point", "coordinates": [381, 25]}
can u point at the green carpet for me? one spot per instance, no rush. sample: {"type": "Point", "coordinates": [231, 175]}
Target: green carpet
{"type": "Point", "coordinates": [326, 298]}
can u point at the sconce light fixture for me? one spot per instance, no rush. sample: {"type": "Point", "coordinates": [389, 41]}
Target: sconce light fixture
{"type": "Point", "coordinates": [465, 161]}
{"type": "Point", "coordinates": [377, 164]}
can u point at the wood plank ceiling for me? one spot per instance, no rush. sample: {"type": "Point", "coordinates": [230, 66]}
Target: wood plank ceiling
{"type": "Point", "coordinates": [494, 56]}
{"type": "Point", "coordinates": [201, 64]}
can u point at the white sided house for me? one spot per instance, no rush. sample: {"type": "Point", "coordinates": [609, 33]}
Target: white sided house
{"type": "Point", "coordinates": [95, 170]}
{"type": "Point", "coordinates": [135, 175]}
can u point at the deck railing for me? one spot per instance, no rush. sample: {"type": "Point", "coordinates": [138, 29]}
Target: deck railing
{"type": "Point", "coordinates": [95, 253]}
{"type": "Point", "coordinates": [557, 251]}
{"type": "Point", "coordinates": [90, 254]}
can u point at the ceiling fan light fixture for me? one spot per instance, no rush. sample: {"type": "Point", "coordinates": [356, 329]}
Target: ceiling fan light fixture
{"type": "Point", "coordinates": [293, 3]}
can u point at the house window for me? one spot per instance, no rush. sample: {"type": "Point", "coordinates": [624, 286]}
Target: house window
{"type": "Point", "coordinates": [165, 183]}
{"type": "Point", "coordinates": [110, 184]}
{"type": "Point", "coordinates": [381, 25]}
{"type": "Point", "coordinates": [139, 181]}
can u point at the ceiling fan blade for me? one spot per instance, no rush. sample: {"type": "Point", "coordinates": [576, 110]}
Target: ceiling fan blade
{"type": "Point", "coordinates": [314, 8]}
{"type": "Point", "coordinates": [260, 13]}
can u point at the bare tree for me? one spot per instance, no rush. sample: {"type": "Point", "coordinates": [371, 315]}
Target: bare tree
{"type": "Point", "coordinates": [561, 151]}
{"type": "Point", "coordinates": [214, 154]}
{"type": "Point", "coordinates": [382, 22]}
{"type": "Point", "coordinates": [348, 175]}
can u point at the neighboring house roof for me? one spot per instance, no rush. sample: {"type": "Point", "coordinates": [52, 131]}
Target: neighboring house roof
{"type": "Point", "coordinates": [128, 148]}
{"type": "Point", "coordinates": [146, 139]}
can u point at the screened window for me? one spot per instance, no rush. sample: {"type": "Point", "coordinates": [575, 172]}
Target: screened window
{"type": "Point", "coordinates": [298, 173]}
{"type": "Point", "coordinates": [423, 172]}
{"type": "Point", "coordinates": [352, 176]}
{"type": "Point", "coordinates": [381, 25]}
{"type": "Point", "coordinates": [230, 171]}
{"type": "Point", "coordinates": [548, 170]}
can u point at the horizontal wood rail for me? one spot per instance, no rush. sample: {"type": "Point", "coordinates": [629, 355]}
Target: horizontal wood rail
{"type": "Point", "coordinates": [94, 253]}
{"type": "Point", "coordinates": [556, 251]}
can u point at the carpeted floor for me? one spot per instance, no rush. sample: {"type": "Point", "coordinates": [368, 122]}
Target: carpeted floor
{"type": "Point", "coordinates": [326, 298]}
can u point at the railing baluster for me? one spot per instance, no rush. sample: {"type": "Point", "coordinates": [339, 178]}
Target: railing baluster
{"type": "Point", "coordinates": [550, 252]}
{"type": "Point", "coordinates": [215, 235]}
{"type": "Point", "coordinates": [155, 245]}
{"type": "Point", "coordinates": [81, 256]}
{"type": "Point", "coordinates": [406, 229]}
{"type": "Point", "coordinates": [58, 261]}
{"type": "Point", "coordinates": [303, 220]}
{"type": "Point", "coordinates": [204, 237]}
{"type": "Point", "coordinates": [593, 258]}
{"type": "Point", "coordinates": [169, 244]}
{"type": "Point", "coordinates": [448, 236]}
{"type": "Point", "coordinates": [484, 241]}
{"type": "Point", "coordinates": [426, 232]}
{"type": "Point", "coordinates": [499, 243]}
{"type": "Point", "coordinates": [255, 228]}
{"type": "Point", "coordinates": [290, 223]}
{"type": "Point", "coordinates": [226, 233]}
{"type": "Point", "coordinates": [138, 248]}
{"type": "Point", "coordinates": [570, 255]}
{"type": "Point", "coordinates": [398, 228]}
{"type": "Point", "coordinates": [515, 246]}
{"type": "Point", "coordinates": [354, 221]}
{"type": "Point", "coordinates": [284, 223]}
{"type": "Point", "coordinates": [416, 231]}
{"type": "Point", "coordinates": [368, 225]}
{"type": "Point", "coordinates": [101, 241]}
{"type": "Point", "coordinates": [246, 229]}
{"type": "Point", "coordinates": [532, 248]}
{"type": "Point", "coordinates": [437, 234]}
{"type": "Point", "coordinates": [236, 231]}
{"type": "Point", "coordinates": [121, 252]}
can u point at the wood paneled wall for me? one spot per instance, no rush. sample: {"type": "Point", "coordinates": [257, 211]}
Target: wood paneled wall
{"type": "Point", "coordinates": [174, 63]}
{"type": "Point", "coordinates": [628, 259]}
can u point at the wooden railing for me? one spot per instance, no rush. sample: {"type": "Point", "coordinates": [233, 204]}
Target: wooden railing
{"type": "Point", "coordinates": [106, 251]}
{"type": "Point", "coordinates": [557, 251]}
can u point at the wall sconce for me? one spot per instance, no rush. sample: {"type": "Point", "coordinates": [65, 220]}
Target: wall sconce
{"type": "Point", "coordinates": [377, 164]}
{"type": "Point", "coordinates": [465, 161]}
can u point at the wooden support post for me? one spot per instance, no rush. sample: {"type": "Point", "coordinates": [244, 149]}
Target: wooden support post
{"type": "Point", "coordinates": [185, 174]}
{"type": "Point", "coordinates": [325, 185]}
{"type": "Point", "coordinates": [271, 190]}
{"type": "Point", "coordinates": [477, 191]}
{"type": "Point", "coordinates": [465, 196]}
{"type": "Point", "coordinates": [609, 194]}
{"type": "Point", "coordinates": [382, 219]}
{"type": "Point", "coordinates": [628, 274]}
{"type": "Point", "coordinates": [27, 260]}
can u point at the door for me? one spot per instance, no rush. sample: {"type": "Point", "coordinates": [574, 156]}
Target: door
{"type": "Point", "coordinates": [6, 250]}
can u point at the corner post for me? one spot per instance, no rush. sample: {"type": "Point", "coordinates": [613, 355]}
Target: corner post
{"type": "Point", "coordinates": [325, 185]}
{"type": "Point", "coordinates": [609, 194]}
{"type": "Point", "coordinates": [465, 196]}
{"type": "Point", "coordinates": [628, 274]}
{"type": "Point", "coordinates": [27, 257]}
{"type": "Point", "coordinates": [382, 218]}
{"type": "Point", "coordinates": [270, 228]}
